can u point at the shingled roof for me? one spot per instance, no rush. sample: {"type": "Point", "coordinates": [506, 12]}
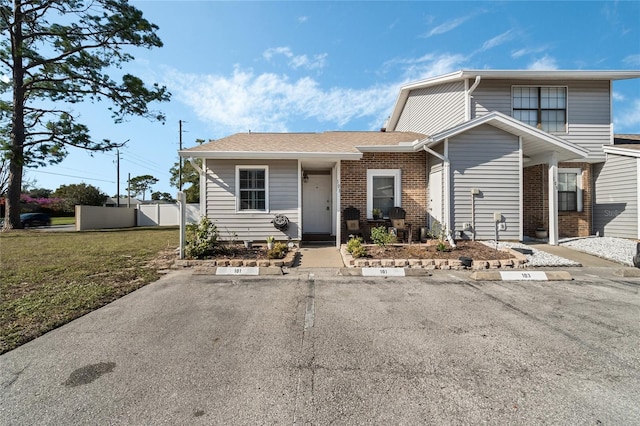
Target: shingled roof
{"type": "Point", "coordinates": [302, 143]}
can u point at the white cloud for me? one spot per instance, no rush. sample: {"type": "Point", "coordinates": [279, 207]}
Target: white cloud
{"type": "Point", "coordinates": [303, 19]}
{"type": "Point", "coordinates": [426, 66]}
{"type": "Point", "coordinates": [632, 60]}
{"type": "Point", "coordinates": [527, 51]}
{"type": "Point", "coordinates": [628, 121]}
{"type": "Point", "coordinates": [497, 40]}
{"type": "Point", "coordinates": [296, 61]}
{"type": "Point", "coordinates": [445, 27]}
{"type": "Point", "coordinates": [269, 102]}
{"type": "Point", "coordinates": [617, 96]}
{"type": "Point", "coordinates": [246, 100]}
{"type": "Point", "coordinates": [544, 63]}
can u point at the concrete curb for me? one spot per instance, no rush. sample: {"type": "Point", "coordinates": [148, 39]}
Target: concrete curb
{"type": "Point", "coordinates": [237, 271]}
{"type": "Point", "coordinates": [407, 272]}
{"type": "Point", "coordinates": [524, 275]}
{"type": "Point", "coordinates": [627, 272]}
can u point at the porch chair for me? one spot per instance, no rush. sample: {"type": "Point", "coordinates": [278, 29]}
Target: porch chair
{"type": "Point", "coordinates": [352, 220]}
{"type": "Point", "coordinates": [404, 230]}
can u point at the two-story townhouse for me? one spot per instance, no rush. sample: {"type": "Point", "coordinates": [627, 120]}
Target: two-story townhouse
{"type": "Point", "coordinates": [474, 150]}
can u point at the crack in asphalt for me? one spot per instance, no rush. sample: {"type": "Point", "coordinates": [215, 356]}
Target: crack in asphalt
{"type": "Point", "coordinates": [555, 328]}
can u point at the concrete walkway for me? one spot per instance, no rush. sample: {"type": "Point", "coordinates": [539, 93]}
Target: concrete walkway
{"type": "Point", "coordinates": [318, 256]}
{"type": "Point", "coordinates": [587, 260]}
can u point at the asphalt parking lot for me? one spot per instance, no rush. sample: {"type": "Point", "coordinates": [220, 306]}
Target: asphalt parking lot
{"type": "Point", "coordinates": [313, 347]}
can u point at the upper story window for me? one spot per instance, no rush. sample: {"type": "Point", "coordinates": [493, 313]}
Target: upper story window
{"type": "Point", "coordinates": [251, 188]}
{"type": "Point", "coordinates": [541, 107]}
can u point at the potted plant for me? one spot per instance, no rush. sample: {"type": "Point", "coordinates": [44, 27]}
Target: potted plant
{"type": "Point", "coordinates": [541, 233]}
{"type": "Point", "coordinates": [376, 213]}
{"type": "Point", "coordinates": [270, 242]}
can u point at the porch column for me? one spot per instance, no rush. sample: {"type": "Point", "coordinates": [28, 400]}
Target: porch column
{"type": "Point", "coordinates": [182, 221]}
{"type": "Point", "coordinates": [338, 206]}
{"type": "Point", "coordinates": [553, 199]}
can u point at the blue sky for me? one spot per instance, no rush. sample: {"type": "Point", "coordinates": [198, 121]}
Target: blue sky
{"type": "Point", "coordinates": [316, 66]}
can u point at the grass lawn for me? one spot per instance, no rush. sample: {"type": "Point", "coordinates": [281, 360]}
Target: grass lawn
{"type": "Point", "coordinates": [63, 220]}
{"type": "Point", "coordinates": [50, 278]}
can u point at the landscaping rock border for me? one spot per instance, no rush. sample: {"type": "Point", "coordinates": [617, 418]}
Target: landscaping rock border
{"type": "Point", "coordinates": [287, 261]}
{"type": "Point", "coordinates": [519, 261]}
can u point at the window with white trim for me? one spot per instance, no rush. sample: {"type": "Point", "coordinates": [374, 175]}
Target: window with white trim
{"type": "Point", "coordinates": [252, 183]}
{"type": "Point", "coordinates": [569, 190]}
{"type": "Point", "coordinates": [541, 107]}
{"type": "Point", "coordinates": [383, 190]}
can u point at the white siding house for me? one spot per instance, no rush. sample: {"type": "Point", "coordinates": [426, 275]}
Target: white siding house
{"type": "Point", "coordinates": [453, 150]}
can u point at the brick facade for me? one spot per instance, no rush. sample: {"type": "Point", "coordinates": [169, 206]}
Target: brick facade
{"type": "Point", "coordinates": [353, 184]}
{"type": "Point", "coordinates": [536, 202]}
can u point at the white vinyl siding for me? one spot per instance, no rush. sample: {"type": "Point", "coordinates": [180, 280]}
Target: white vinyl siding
{"type": "Point", "coordinates": [433, 109]}
{"type": "Point", "coordinates": [588, 109]}
{"type": "Point", "coordinates": [221, 200]}
{"type": "Point", "coordinates": [488, 159]}
{"type": "Point", "coordinates": [615, 208]}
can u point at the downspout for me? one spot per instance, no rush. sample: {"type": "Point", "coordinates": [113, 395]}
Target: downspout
{"type": "Point", "coordinates": [435, 154]}
{"type": "Point", "coordinates": [469, 92]}
{"type": "Point", "coordinates": [195, 165]}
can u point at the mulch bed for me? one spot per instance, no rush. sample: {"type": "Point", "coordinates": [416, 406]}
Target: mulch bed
{"type": "Point", "coordinates": [473, 249]}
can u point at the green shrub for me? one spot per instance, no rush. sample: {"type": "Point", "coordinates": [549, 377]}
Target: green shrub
{"type": "Point", "coordinates": [439, 232]}
{"type": "Point", "coordinates": [354, 242]}
{"type": "Point", "coordinates": [279, 251]}
{"type": "Point", "coordinates": [360, 251]}
{"type": "Point", "coordinates": [355, 247]}
{"type": "Point", "coordinates": [381, 237]}
{"type": "Point", "coordinates": [201, 239]}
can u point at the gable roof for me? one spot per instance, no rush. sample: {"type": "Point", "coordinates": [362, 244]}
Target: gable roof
{"type": "Point", "coordinates": [629, 150]}
{"type": "Point", "coordinates": [619, 139]}
{"type": "Point", "coordinates": [542, 75]}
{"type": "Point", "coordinates": [534, 141]}
{"type": "Point", "coordinates": [344, 145]}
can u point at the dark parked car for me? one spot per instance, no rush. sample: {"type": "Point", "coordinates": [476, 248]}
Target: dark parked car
{"type": "Point", "coordinates": [34, 219]}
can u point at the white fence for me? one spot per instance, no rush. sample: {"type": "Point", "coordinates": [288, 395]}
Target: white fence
{"type": "Point", "coordinates": [95, 217]}
{"type": "Point", "coordinates": [166, 214]}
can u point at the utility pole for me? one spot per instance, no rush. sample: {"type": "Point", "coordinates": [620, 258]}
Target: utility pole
{"type": "Point", "coordinates": [180, 159]}
{"type": "Point", "coordinates": [118, 178]}
{"type": "Point", "coordinates": [129, 191]}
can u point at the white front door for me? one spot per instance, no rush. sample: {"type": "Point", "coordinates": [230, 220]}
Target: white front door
{"type": "Point", "coordinates": [435, 198]}
{"type": "Point", "coordinates": [316, 204]}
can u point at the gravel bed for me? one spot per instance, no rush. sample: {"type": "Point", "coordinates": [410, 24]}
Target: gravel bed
{"type": "Point", "coordinates": [537, 257]}
{"type": "Point", "coordinates": [617, 249]}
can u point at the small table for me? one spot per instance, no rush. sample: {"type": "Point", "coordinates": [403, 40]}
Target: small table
{"type": "Point", "coordinates": [374, 223]}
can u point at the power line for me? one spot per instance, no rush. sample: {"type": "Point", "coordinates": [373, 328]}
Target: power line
{"type": "Point", "coordinates": [144, 166]}
{"type": "Point", "coordinates": [79, 177]}
{"type": "Point", "coordinates": [144, 160]}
